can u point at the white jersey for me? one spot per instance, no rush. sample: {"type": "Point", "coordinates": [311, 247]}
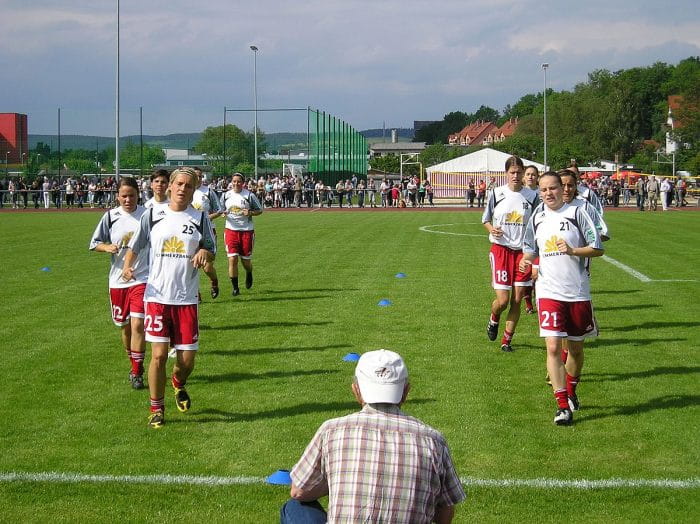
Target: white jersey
{"type": "Point", "coordinates": [152, 203]}
{"type": "Point", "coordinates": [234, 203]}
{"type": "Point", "coordinates": [587, 194]}
{"type": "Point", "coordinates": [561, 276]}
{"type": "Point", "coordinates": [598, 220]}
{"type": "Point", "coordinates": [205, 199]}
{"type": "Point", "coordinates": [118, 227]}
{"type": "Point", "coordinates": [510, 210]}
{"type": "Point", "coordinates": [173, 238]}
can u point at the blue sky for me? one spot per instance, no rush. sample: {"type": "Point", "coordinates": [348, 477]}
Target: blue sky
{"type": "Point", "coordinates": [367, 62]}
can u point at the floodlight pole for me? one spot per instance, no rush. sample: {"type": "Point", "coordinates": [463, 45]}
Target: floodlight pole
{"type": "Point", "coordinates": [255, 106]}
{"type": "Point", "coordinates": [116, 138]}
{"type": "Point", "coordinates": [544, 98]}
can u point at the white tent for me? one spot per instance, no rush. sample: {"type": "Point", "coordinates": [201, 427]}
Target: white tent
{"type": "Point", "coordinates": [451, 178]}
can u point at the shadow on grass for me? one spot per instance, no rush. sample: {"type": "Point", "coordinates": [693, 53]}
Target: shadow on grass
{"type": "Point", "coordinates": [655, 372]}
{"type": "Point", "coordinates": [334, 408]}
{"type": "Point", "coordinates": [258, 325]}
{"type": "Point", "coordinates": [239, 377]}
{"type": "Point", "coordinates": [654, 404]}
{"type": "Point", "coordinates": [652, 325]}
{"type": "Point", "coordinates": [267, 351]}
{"type": "Point", "coordinates": [628, 307]}
{"type": "Point", "coordinates": [603, 342]}
{"type": "Point", "coordinates": [616, 292]}
{"type": "Point", "coordinates": [308, 290]}
{"type": "Point", "coordinates": [282, 299]}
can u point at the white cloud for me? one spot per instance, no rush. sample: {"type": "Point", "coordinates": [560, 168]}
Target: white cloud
{"type": "Point", "coordinates": [594, 37]}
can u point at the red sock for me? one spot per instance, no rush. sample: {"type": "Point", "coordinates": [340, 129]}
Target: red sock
{"type": "Point", "coordinates": [564, 355]}
{"type": "Point", "coordinates": [562, 398]}
{"type": "Point", "coordinates": [507, 337]}
{"type": "Point", "coordinates": [157, 404]}
{"type": "Point", "coordinates": [495, 318]}
{"type": "Point", "coordinates": [176, 383]}
{"type": "Point", "coordinates": [136, 362]}
{"type": "Point", "coordinates": [571, 383]}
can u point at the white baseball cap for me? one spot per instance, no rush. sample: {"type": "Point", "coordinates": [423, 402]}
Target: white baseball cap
{"type": "Point", "coordinates": [381, 376]}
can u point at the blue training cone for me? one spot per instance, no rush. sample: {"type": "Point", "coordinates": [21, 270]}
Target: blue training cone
{"type": "Point", "coordinates": [46, 268]}
{"type": "Point", "coordinates": [351, 357]}
{"type": "Point", "coordinates": [400, 275]}
{"type": "Point", "coordinates": [384, 302]}
{"type": "Point", "coordinates": [281, 477]}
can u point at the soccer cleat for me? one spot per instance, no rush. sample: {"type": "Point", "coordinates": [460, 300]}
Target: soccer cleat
{"type": "Point", "coordinates": [530, 310]}
{"type": "Point", "coordinates": [214, 291]}
{"type": "Point", "coordinates": [182, 399]}
{"type": "Point", "coordinates": [492, 330]}
{"type": "Point", "coordinates": [156, 420]}
{"type": "Point", "coordinates": [249, 280]}
{"type": "Point", "coordinates": [235, 292]}
{"type": "Point", "coordinates": [564, 417]}
{"type": "Point", "coordinates": [136, 381]}
{"type": "Point", "coordinates": [507, 348]}
{"type": "Point", "coordinates": [573, 403]}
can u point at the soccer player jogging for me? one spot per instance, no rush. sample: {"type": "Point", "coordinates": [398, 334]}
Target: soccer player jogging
{"type": "Point", "coordinates": [564, 237]}
{"type": "Point", "coordinates": [507, 212]}
{"type": "Point", "coordinates": [181, 241]}
{"type": "Point", "coordinates": [240, 206]}
{"type": "Point", "coordinates": [530, 181]}
{"type": "Point", "coordinates": [205, 199]}
{"type": "Point", "coordinates": [159, 185]}
{"type": "Point", "coordinates": [112, 236]}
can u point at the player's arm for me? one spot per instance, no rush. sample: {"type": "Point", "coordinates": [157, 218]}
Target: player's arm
{"type": "Point", "coordinates": [255, 207]}
{"type": "Point", "coordinates": [593, 247]}
{"type": "Point", "coordinates": [139, 241]}
{"type": "Point", "coordinates": [487, 217]}
{"type": "Point", "coordinates": [529, 246]}
{"type": "Point", "coordinates": [215, 203]}
{"type": "Point", "coordinates": [101, 238]}
{"type": "Point", "coordinates": [207, 246]}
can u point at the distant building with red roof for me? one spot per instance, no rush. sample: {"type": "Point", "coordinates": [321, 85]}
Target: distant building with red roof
{"type": "Point", "coordinates": [481, 133]}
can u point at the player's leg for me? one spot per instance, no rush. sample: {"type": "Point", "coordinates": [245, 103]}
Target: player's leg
{"type": "Point", "coordinates": [557, 374]}
{"type": "Point", "coordinates": [156, 383]}
{"type": "Point", "coordinates": [210, 271]}
{"type": "Point", "coordinates": [574, 366]}
{"type": "Point", "coordinates": [247, 241]}
{"type": "Point", "coordinates": [498, 306]}
{"type": "Point", "coordinates": [501, 281]}
{"type": "Point", "coordinates": [185, 341]}
{"type": "Point", "coordinates": [233, 247]}
{"type": "Point", "coordinates": [513, 317]}
{"type": "Point", "coordinates": [138, 337]}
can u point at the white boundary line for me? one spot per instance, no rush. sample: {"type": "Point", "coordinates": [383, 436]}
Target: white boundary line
{"type": "Point", "coordinates": [636, 274]}
{"type": "Point", "coordinates": [537, 483]}
{"type": "Point", "coordinates": [427, 229]}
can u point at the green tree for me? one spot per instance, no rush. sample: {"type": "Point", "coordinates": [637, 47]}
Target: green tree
{"type": "Point", "coordinates": [388, 163]}
{"type": "Point", "coordinates": [240, 146]}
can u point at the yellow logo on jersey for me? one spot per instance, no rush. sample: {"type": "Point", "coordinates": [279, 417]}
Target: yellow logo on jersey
{"type": "Point", "coordinates": [550, 246]}
{"type": "Point", "coordinates": [235, 210]}
{"type": "Point", "coordinates": [124, 242]}
{"type": "Point", "coordinates": [514, 218]}
{"type": "Point", "coordinates": [197, 205]}
{"type": "Point", "coordinates": [174, 245]}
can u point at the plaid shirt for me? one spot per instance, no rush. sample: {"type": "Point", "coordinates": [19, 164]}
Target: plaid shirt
{"type": "Point", "coordinates": [380, 465]}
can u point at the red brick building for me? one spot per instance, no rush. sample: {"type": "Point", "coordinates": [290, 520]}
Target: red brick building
{"type": "Point", "coordinates": [13, 138]}
{"type": "Point", "coordinates": [482, 133]}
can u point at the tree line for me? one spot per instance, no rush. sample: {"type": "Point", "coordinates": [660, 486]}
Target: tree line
{"type": "Point", "coordinates": [611, 115]}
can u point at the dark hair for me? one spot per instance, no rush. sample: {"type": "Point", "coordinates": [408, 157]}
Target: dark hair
{"type": "Point", "coordinates": [567, 172]}
{"type": "Point", "coordinates": [514, 160]}
{"type": "Point", "coordinates": [573, 166]}
{"type": "Point", "coordinates": [537, 171]}
{"type": "Point", "coordinates": [551, 173]}
{"type": "Point", "coordinates": [238, 175]}
{"type": "Point", "coordinates": [129, 182]}
{"type": "Point", "coordinates": [160, 172]}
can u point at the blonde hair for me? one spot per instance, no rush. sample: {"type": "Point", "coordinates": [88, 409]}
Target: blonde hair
{"type": "Point", "coordinates": [187, 171]}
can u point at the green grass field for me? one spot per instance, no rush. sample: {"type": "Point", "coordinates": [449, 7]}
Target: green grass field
{"type": "Point", "coordinates": [270, 371]}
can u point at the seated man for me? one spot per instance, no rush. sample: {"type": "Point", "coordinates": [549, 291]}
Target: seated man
{"type": "Point", "coordinates": [378, 465]}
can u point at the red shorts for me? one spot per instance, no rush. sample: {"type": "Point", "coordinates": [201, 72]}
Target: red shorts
{"type": "Point", "coordinates": [504, 268]}
{"type": "Point", "coordinates": [573, 320]}
{"type": "Point", "coordinates": [178, 325]}
{"type": "Point", "coordinates": [239, 243]}
{"type": "Point", "coordinates": [126, 302]}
